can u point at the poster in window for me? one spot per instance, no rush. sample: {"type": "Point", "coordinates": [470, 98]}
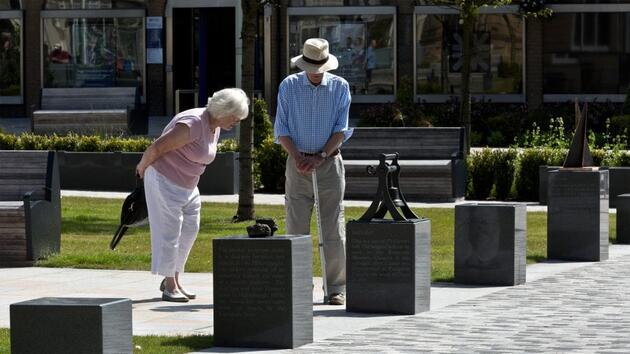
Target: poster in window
{"type": "Point", "coordinates": [154, 40]}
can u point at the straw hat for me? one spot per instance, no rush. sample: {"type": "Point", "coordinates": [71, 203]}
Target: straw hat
{"type": "Point", "coordinates": [315, 58]}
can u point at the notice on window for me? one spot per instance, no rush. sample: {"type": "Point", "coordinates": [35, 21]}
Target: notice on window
{"type": "Point", "coordinates": [154, 40]}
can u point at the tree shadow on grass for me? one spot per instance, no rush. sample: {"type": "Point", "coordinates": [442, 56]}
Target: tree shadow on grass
{"type": "Point", "coordinates": [536, 259]}
{"type": "Point", "coordinates": [194, 342]}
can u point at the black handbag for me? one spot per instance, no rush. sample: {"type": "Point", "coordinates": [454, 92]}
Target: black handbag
{"type": "Point", "coordinates": [134, 213]}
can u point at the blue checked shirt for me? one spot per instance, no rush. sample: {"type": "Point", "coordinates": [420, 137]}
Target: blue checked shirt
{"type": "Point", "coordinates": [310, 114]}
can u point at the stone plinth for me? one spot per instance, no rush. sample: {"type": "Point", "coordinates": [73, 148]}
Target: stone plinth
{"type": "Point", "coordinates": [71, 325]}
{"type": "Point", "coordinates": [263, 291]}
{"type": "Point", "coordinates": [388, 266]}
{"type": "Point", "coordinates": [490, 243]}
{"type": "Point", "coordinates": [619, 184]}
{"type": "Point", "coordinates": [543, 177]}
{"type": "Point", "coordinates": [623, 218]}
{"type": "Point", "coordinates": [577, 215]}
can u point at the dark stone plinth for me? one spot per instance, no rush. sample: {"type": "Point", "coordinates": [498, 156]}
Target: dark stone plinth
{"type": "Point", "coordinates": [71, 325]}
{"type": "Point", "coordinates": [623, 219]}
{"type": "Point", "coordinates": [388, 266]}
{"type": "Point", "coordinates": [543, 177]}
{"type": "Point", "coordinates": [490, 243]}
{"type": "Point", "coordinates": [577, 215]}
{"type": "Point", "coordinates": [619, 184]}
{"type": "Point", "coordinates": [263, 291]}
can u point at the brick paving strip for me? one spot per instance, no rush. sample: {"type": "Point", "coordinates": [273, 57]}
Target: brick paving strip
{"type": "Point", "coordinates": [583, 310]}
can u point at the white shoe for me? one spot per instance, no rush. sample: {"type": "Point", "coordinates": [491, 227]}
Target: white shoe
{"type": "Point", "coordinates": [188, 294]}
{"type": "Point", "coordinates": [174, 296]}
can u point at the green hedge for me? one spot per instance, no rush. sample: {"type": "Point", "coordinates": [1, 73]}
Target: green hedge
{"type": "Point", "coordinates": [94, 143]}
{"type": "Point", "coordinates": [511, 174]}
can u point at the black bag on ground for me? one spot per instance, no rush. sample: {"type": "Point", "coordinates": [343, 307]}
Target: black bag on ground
{"type": "Point", "coordinates": [134, 213]}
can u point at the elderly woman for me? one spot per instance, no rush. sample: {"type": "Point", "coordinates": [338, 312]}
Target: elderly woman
{"type": "Point", "coordinates": [171, 167]}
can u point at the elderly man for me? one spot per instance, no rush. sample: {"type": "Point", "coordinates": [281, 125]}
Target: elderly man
{"type": "Point", "coordinates": [311, 123]}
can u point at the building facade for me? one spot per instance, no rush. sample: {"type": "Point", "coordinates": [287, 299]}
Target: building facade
{"type": "Point", "coordinates": [177, 52]}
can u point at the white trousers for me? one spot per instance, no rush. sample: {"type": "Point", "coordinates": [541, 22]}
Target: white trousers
{"type": "Point", "coordinates": [173, 220]}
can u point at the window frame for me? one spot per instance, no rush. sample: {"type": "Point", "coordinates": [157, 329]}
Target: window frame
{"type": "Point", "coordinates": [350, 11]}
{"type": "Point", "coordinates": [99, 13]}
{"type": "Point", "coordinates": [13, 15]}
{"type": "Point", "coordinates": [442, 98]}
{"type": "Point", "coordinates": [587, 8]}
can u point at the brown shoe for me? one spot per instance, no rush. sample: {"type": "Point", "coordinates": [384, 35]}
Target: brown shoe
{"type": "Point", "coordinates": [336, 299]}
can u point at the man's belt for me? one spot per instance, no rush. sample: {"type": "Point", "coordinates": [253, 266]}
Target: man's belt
{"type": "Point", "coordinates": [335, 153]}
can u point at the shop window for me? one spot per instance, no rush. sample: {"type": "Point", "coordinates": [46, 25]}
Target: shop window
{"type": "Point", "coordinates": [10, 60]}
{"type": "Point", "coordinates": [497, 54]}
{"type": "Point", "coordinates": [9, 5]}
{"type": "Point", "coordinates": [338, 2]}
{"type": "Point", "coordinates": [93, 52]}
{"type": "Point", "coordinates": [363, 44]}
{"type": "Point", "coordinates": [94, 4]}
{"type": "Point", "coordinates": [586, 53]}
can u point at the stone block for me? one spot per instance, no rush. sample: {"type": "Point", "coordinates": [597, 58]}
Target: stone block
{"type": "Point", "coordinates": [490, 243]}
{"type": "Point", "coordinates": [619, 183]}
{"type": "Point", "coordinates": [577, 215]}
{"type": "Point", "coordinates": [388, 266]}
{"type": "Point", "coordinates": [263, 291]}
{"type": "Point", "coordinates": [623, 218]}
{"type": "Point", "coordinates": [71, 325]}
{"type": "Point", "coordinates": [543, 177]}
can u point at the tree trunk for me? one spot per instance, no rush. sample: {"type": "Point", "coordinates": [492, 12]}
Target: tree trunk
{"type": "Point", "coordinates": [246, 210]}
{"type": "Point", "coordinates": [464, 115]}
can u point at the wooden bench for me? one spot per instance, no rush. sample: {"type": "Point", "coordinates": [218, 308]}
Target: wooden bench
{"type": "Point", "coordinates": [432, 160]}
{"type": "Point", "coordinates": [30, 207]}
{"type": "Point", "coordinates": [88, 110]}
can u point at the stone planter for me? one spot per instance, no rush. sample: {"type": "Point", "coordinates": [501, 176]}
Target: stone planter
{"type": "Point", "coordinates": [114, 172]}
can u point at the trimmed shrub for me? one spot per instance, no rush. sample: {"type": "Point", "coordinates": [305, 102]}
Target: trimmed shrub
{"type": "Point", "coordinates": [481, 172]}
{"type": "Point", "coordinates": [270, 165]}
{"type": "Point", "coordinates": [262, 123]}
{"type": "Point", "coordinates": [504, 162]}
{"type": "Point", "coordinates": [526, 181]}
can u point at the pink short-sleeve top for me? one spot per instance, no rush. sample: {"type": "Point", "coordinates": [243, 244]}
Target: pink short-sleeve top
{"type": "Point", "coordinates": [183, 166]}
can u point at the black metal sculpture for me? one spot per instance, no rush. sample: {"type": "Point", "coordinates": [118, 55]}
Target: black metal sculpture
{"type": "Point", "coordinates": [264, 227]}
{"type": "Point", "coordinates": [579, 154]}
{"type": "Point", "coordinates": [388, 196]}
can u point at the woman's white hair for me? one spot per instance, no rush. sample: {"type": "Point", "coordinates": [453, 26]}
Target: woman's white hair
{"type": "Point", "coordinates": [227, 102]}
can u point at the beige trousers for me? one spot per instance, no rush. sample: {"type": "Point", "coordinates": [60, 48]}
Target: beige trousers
{"type": "Point", "coordinates": [299, 203]}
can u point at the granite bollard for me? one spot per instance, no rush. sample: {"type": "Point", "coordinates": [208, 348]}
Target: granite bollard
{"type": "Point", "coordinates": [623, 218]}
{"type": "Point", "coordinates": [71, 325]}
{"type": "Point", "coordinates": [263, 291]}
{"type": "Point", "coordinates": [577, 215]}
{"type": "Point", "coordinates": [388, 266]}
{"type": "Point", "coordinates": [490, 243]}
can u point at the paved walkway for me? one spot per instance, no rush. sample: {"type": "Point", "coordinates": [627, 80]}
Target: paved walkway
{"type": "Point", "coordinates": [584, 310]}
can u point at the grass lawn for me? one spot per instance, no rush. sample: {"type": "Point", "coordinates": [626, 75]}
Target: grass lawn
{"type": "Point", "coordinates": [88, 225]}
{"type": "Point", "coordinates": [143, 344]}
